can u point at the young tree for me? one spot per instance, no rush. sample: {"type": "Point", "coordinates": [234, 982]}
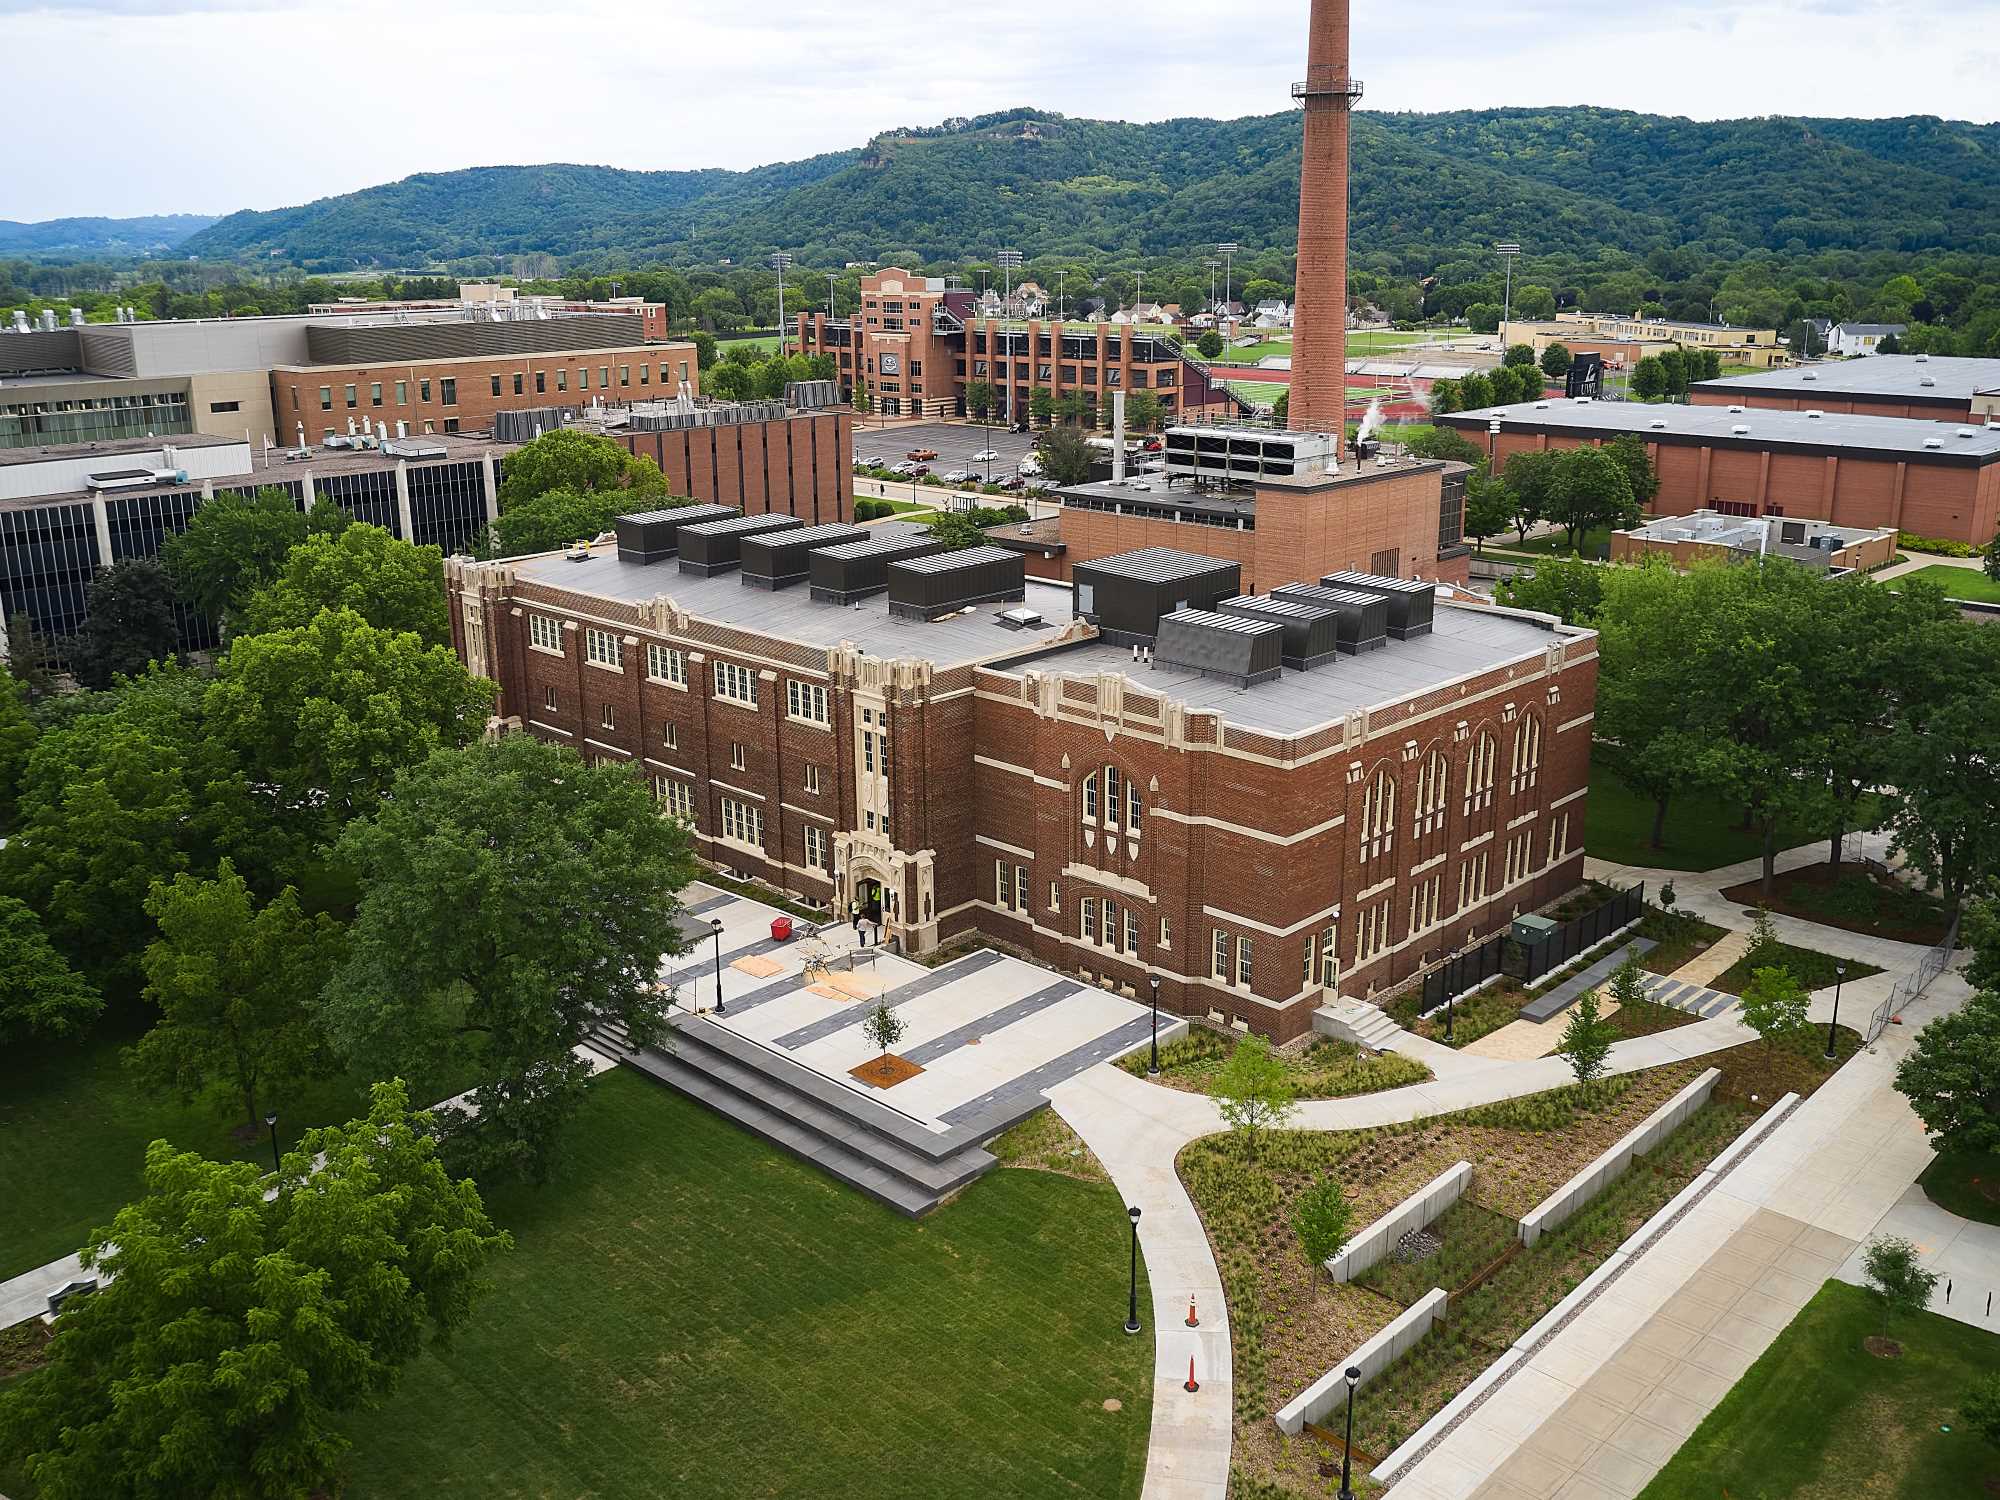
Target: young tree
{"type": "Point", "coordinates": [233, 1329]}
{"type": "Point", "coordinates": [392, 584]}
{"type": "Point", "coordinates": [1253, 1091]}
{"type": "Point", "coordinates": [237, 987]}
{"type": "Point", "coordinates": [883, 1028]}
{"type": "Point", "coordinates": [40, 995]}
{"type": "Point", "coordinates": [978, 398]}
{"type": "Point", "coordinates": [232, 544]}
{"type": "Point", "coordinates": [1774, 1006]}
{"type": "Point", "coordinates": [1628, 983]}
{"type": "Point", "coordinates": [1765, 947]}
{"type": "Point", "coordinates": [1901, 1285]}
{"type": "Point", "coordinates": [1041, 405]}
{"type": "Point", "coordinates": [1209, 345]}
{"type": "Point", "coordinates": [1952, 1076]}
{"type": "Point", "coordinates": [129, 623]}
{"type": "Point", "coordinates": [1566, 587]}
{"type": "Point", "coordinates": [1586, 1043]}
{"type": "Point", "coordinates": [1065, 455]}
{"type": "Point", "coordinates": [1519, 354]}
{"type": "Point", "coordinates": [513, 897]}
{"type": "Point", "coordinates": [1556, 360]}
{"type": "Point", "coordinates": [1323, 1220]}
{"type": "Point", "coordinates": [1489, 508]}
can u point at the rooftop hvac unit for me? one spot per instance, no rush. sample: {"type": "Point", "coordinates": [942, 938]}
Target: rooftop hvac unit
{"type": "Point", "coordinates": [1126, 595]}
{"type": "Point", "coordinates": [1246, 455]}
{"type": "Point", "coordinates": [1312, 631]}
{"type": "Point", "coordinates": [712, 547]}
{"type": "Point", "coordinates": [849, 572]}
{"type": "Point", "coordinates": [1243, 651]}
{"type": "Point", "coordinates": [1411, 604]}
{"type": "Point", "coordinates": [1740, 430]}
{"type": "Point", "coordinates": [1658, 424]}
{"type": "Point", "coordinates": [812, 395]}
{"type": "Point", "coordinates": [1966, 432]}
{"type": "Point", "coordinates": [1815, 416]}
{"type": "Point", "coordinates": [414, 448]}
{"type": "Point", "coordinates": [1793, 532]}
{"type": "Point", "coordinates": [1933, 442]}
{"type": "Point", "coordinates": [929, 588]}
{"type": "Point", "coordinates": [654, 536]}
{"type": "Point", "coordinates": [781, 559]}
{"type": "Point", "coordinates": [1363, 618]}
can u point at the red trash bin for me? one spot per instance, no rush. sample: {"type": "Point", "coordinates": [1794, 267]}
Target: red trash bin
{"type": "Point", "coordinates": [781, 929]}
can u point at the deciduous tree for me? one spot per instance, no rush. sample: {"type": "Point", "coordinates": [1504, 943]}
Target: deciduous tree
{"type": "Point", "coordinates": [1901, 1284]}
{"type": "Point", "coordinates": [1774, 1006]}
{"type": "Point", "coordinates": [1566, 587]}
{"type": "Point", "coordinates": [235, 1329]}
{"type": "Point", "coordinates": [567, 459]}
{"type": "Point", "coordinates": [1556, 360]}
{"type": "Point", "coordinates": [40, 995]}
{"type": "Point", "coordinates": [1253, 1091]}
{"type": "Point", "coordinates": [1323, 1220]}
{"type": "Point", "coordinates": [1586, 1042]}
{"type": "Point", "coordinates": [232, 544]}
{"type": "Point", "coordinates": [129, 623]}
{"type": "Point", "coordinates": [1952, 1076]}
{"type": "Point", "coordinates": [1065, 455]}
{"type": "Point", "coordinates": [392, 584]}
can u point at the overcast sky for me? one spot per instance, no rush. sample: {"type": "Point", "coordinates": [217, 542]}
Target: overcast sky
{"type": "Point", "coordinates": [154, 106]}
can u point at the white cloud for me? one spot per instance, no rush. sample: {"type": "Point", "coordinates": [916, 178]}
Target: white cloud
{"type": "Point", "coordinates": [146, 106]}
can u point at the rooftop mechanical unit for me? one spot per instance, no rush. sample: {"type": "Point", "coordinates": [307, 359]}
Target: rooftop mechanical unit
{"type": "Point", "coordinates": [780, 559]}
{"type": "Point", "coordinates": [853, 571]}
{"type": "Point", "coordinates": [812, 395]}
{"type": "Point", "coordinates": [1126, 596]}
{"type": "Point", "coordinates": [1364, 618]}
{"type": "Point", "coordinates": [654, 536]}
{"type": "Point", "coordinates": [1411, 603]}
{"type": "Point", "coordinates": [1245, 652]}
{"type": "Point", "coordinates": [1312, 631]}
{"type": "Point", "coordinates": [929, 588]}
{"type": "Point", "coordinates": [1244, 455]}
{"type": "Point", "coordinates": [717, 546]}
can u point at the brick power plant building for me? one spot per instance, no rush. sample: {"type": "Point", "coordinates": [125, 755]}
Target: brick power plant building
{"type": "Point", "coordinates": [1225, 752]}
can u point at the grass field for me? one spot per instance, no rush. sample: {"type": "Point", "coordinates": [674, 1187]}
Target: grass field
{"type": "Point", "coordinates": [763, 343]}
{"type": "Point", "coordinates": [1965, 1183]}
{"type": "Point", "coordinates": [75, 1124]}
{"type": "Point", "coordinates": [689, 1312]}
{"type": "Point", "coordinates": [1701, 832]}
{"type": "Point", "coordinates": [1959, 583]}
{"type": "Point", "coordinates": [1818, 1415]}
{"type": "Point", "coordinates": [1857, 900]}
{"type": "Point", "coordinates": [1553, 544]}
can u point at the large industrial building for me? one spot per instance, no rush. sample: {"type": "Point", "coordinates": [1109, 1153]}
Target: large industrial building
{"type": "Point", "coordinates": [1259, 801]}
{"type": "Point", "coordinates": [1930, 387]}
{"type": "Point", "coordinates": [1936, 479]}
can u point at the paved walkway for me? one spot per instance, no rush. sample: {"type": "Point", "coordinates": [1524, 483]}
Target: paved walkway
{"type": "Point", "coordinates": [1920, 560]}
{"type": "Point", "coordinates": [1965, 1254]}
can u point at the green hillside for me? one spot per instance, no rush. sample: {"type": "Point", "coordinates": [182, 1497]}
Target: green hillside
{"type": "Point", "coordinates": [140, 236]}
{"type": "Point", "coordinates": [1574, 180]}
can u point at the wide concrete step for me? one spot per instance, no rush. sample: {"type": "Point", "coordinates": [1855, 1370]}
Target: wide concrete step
{"type": "Point", "coordinates": [1363, 1025]}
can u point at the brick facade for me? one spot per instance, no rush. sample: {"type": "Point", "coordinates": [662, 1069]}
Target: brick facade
{"type": "Point", "coordinates": [799, 466]}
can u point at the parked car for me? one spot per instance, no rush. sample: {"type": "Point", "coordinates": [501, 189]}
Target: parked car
{"type": "Point", "coordinates": [1031, 466]}
{"type": "Point", "coordinates": [905, 468]}
{"type": "Point", "coordinates": [873, 463]}
{"type": "Point", "coordinates": [957, 476]}
{"type": "Point", "coordinates": [1013, 482]}
{"type": "Point", "coordinates": [1153, 445]}
{"type": "Point", "coordinates": [985, 456]}
{"type": "Point", "coordinates": [921, 455]}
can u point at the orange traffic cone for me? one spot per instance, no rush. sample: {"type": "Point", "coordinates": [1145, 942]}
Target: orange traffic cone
{"type": "Point", "coordinates": [1192, 1320]}
{"type": "Point", "coordinates": [1192, 1383]}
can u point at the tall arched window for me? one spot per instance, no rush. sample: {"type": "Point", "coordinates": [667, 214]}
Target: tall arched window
{"type": "Point", "coordinates": [1479, 773]}
{"type": "Point", "coordinates": [1432, 779]}
{"type": "Point", "coordinates": [1378, 816]}
{"type": "Point", "coordinates": [1527, 768]}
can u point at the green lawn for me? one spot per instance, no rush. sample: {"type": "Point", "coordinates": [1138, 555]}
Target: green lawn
{"type": "Point", "coordinates": [1818, 1415]}
{"type": "Point", "coordinates": [763, 343]}
{"type": "Point", "coordinates": [689, 1312]}
{"type": "Point", "coordinates": [1966, 1184]}
{"type": "Point", "coordinates": [1701, 832]}
{"type": "Point", "coordinates": [75, 1124]}
{"type": "Point", "coordinates": [1555, 544]}
{"type": "Point", "coordinates": [1958, 583]}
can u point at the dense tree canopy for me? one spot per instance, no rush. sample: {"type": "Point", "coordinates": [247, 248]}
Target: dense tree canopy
{"type": "Point", "coordinates": [392, 584]}
{"type": "Point", "coordinates": [234, 543]}
{"type": "Point", "coordinates": [40, 994]}
{"type": "Point", "coordinates": [129, 625]}
{"type": "Point", "coordinates": [582, 462]}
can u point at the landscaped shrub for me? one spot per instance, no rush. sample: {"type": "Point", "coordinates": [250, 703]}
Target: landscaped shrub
{"type": "Point", "coordinates": [1937, 546]}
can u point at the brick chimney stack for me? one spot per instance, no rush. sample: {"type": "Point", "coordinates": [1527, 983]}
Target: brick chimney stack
{"type": "Point", "coordinates": [1319, 317]}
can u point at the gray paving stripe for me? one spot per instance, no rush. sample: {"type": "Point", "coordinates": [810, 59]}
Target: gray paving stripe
{"type": "Point", "coordinates": [986, 1025]}
{"type": "Point", "coordinates": [713, 903]}
{"type": "Point", "coordinates": [696, 965]}
{"type": "Point", "coordinates": [1718, 1003]}
{"type": "Point", "coordinates": [1051, 1073]}
{"type": "Point", "coordinates": [1672, 992]}
{"type": "Point", "coordinates": [916, 989]}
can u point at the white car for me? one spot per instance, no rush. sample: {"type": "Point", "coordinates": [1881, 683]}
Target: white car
{"type": "Point", "coordinates": [985, 456]}
{"type": "Point", "coordinates": [957, 476]}
{"type": "Point", "coordinates": [904, 468]}
{"type": "Point", "coordinates": [1031, 466]}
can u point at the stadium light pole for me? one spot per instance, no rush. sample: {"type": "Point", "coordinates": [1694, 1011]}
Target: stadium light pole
{"type": "Point", "coordinates": [1010, 261]}
{"type": "Point", "coordinates": [781, 263]}
{"type": "Point", "coordinates": [1508, 251]}
{"type": "Point", "coordinates": [1227, 251]}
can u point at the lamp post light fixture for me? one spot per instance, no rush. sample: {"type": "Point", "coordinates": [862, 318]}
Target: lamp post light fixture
{"type": "Point", "coordinates": [1450, 1011]}
{"type": "Point", "coordinates": [271, 1124]}
{"type": "Point", "coordinates": [1839, 977]}
{"type": "Point", "coordinates": [1153, 1069]}
{"type": "Point", "coordinates": [781, 263]}
{"type": "Point", "coordinates": [1492, 442]}
{"type": "Point", "coordinates": [1347, 1448]}
{"type": "Point", "coordinates": [1510, 252]}
{"type": "Point", "coordinates": [1228, 253]}
{"type": "Point", "coordinates": [1132, 1306]}
{"type": "Point", "coordinates": [715, 926]}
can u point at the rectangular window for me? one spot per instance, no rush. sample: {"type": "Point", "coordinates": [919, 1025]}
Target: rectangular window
{"type": "Point", "coordinates": [735, 684]}
{"type": "Point", "coordinates": [1329, 959]}
{"type": "Point", "coordinates": [1111, 796]}
{"type": "Point", "coordinates": [451, 424]}
{"type": "Point", "coordinates": [671, 736]}
{"type": "Point", "coordinates": [583, 377]}
{"type": "Point", "coordinates": [684, 372]}
{"type": "Point", "coordinates": [375, 393]}
{"type": "Point", "coordinates": [549, 699]}
{"type": "Point", "coordinates": [624, 374]}
{"type": "Point", "coordinates": [326, 398]}
{"type": "Point", "coordinates": [806, 700]}
{"type": "Point", "coordinates": [1055, 896]}
{"type": "Point", "coordinates": [517, 384]}
{"type": "Point", "coordinates": [496, 383]}
{"type": "Point", "coordinates": [1218, 963]}
{"type": "Point", "coordinates": [402, 393]}
{"type": "Point", "coordinates": [424, 389]}
{"type": "Point", "coordinates": [812, 780]}
{"type": "Point", "coordinates": [1243, 961]}
{"type": "Point", "coordinates": [817, 856]}
{"type": "Point", "coordinates": [604, 377]}
{"type": "Point", "coordinates": [1089, 799]}
{"type": "Point", "coordinates": [1166, 933]}
{"type": "Point", "coordinates": [600, 648]}
{"type": "Point", "coordinates": [608, 719]}
{"type": "Point", "coordinates": [742, 822]}
{"type": "Point", "coordinates": [562, 378]}
{"type": "Point", "coordinates": [666, 664]}
{"type": "Point", "coordinates": [1131, 930]}
{"type": "Point", "coordinates": [1003, 884]}
{"type": "Point", "coordinates": [645, 374]}
{"type": "Point", "coordinates": [351, 402]}
{"type": "Point", "coordinates": [545, 633]}
{"type": "Point", "coordinates": [541, 382]}
{"type": "Point", "coordinates": [447, 391]}
{"type": "Point", "coordinates": [739, 759]}
{"type": "Point", "coordinates": [867, 751]}
{"type": "Point", "coordinates": [1089, 910]}
{"type": "Point", "coordinates": [678, 795]}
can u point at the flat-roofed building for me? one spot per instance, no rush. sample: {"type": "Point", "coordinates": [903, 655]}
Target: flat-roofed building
{"type": "Point", "coordinates": [1753, 346]}
{"type": "Point", "coordinates": [1932, 387]}
{"type": "Point", "coordinates": [1709, 536]}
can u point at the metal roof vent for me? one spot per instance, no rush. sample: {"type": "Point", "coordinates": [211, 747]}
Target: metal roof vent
{"type": "Point", "coordinates": [1923, 359]}
{"type": "Point", "coordinates": [1658, 424]}
{"type": "Point", "coordinates": [1810, 375]}
{"type": "Point", "coordinates": [1815, 415]}
{"type": "Point", "coordinates": [1541, 406]}
{"type": "Point", "coordinates": [1927, 380]}
{"type": "Point", "coordinates": [1965, 432]}
{"type": "Point", "coordinates": [1933, 442]}
{"type": "Point", "coordinates": [1740, 429]}
{"type": "Point", "coordinates": [1736, 410]}
{"type": "Point", "coordinates": [1583, 400]}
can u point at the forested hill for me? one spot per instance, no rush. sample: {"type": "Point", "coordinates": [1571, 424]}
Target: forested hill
{"type": "Point", "coordinates": [96, 237]}
{"type": "Point", "coordinates": [1566, 179]}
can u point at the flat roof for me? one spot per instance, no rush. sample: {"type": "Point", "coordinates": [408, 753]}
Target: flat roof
{"type": "Point", "coordinates": [1835, 432]}
{"type": "Point", "coordinates": [793, 614]}
{"type": "Point", "coordinates": [69, 453]}
{"type": "Point", "coordinates": [1465, 639]}
{"type": "Point", "coordinates": [1956, 378]}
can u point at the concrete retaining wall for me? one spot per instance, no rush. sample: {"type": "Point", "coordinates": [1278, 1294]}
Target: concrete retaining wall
{"type": "Point", "coordinates": [1414, 1212]}
{"type": "Point", "coordinates": [1593, 1179]}
{"type": "Point", "coordinates": [1373, 1357]}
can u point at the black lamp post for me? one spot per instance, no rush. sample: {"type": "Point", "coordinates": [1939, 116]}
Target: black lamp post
{"type": "Point", "coordinates": [1839, 977]}
{"type": "Point", "coordinates": [1132, 1307]}
{"type": "Point", "coordinates": [1347, 1449]}
{"type": "Point", "coordinates": [271, 1121]}
{"type": "Point", "coordinates": [1153, 1069]}
{"type": "Point", "coordinates": [1450, 1011]}
{"type": "Point", "coordinates": [715, 926]}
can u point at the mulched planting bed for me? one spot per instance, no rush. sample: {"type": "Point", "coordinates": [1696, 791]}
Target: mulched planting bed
{"type": "Point", "coordinates": [1322, 1069]}
{"type": "Point", "coordinates": [1647, 1017]}
{"type": "Point", "coordinates": [886, 1071]}
{"type": "Point", "coordinates": [1854, 898]}
{"type": "Point", "coordinates": [1677, 940]}
{"type": "Point", "coordinates": [1808, 966]}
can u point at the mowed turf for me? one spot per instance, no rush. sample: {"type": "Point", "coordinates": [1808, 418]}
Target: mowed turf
{"type": "Point", "coordinates": [1702, 830]}
{"type": "Point", "coordinates": [1818, 1415]}
{"type": "Point", "coordinates": [689, 1312]}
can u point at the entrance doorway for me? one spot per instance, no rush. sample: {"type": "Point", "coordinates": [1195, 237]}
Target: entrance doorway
{"type": "Point", "coordinates": [869, 895]}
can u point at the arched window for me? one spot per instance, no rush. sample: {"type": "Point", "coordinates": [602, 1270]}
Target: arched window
{"type": "Point", "coordinates": [1432, 779]}
{"type": "Point", "coordinates": [1090, 798]}
{"type": "Point", "coordinates": [1479, 773]}
{"type": "Point", "coordinates": [1527, 755]}
{"type": "Point", "coordinates": [1112, 800]}
{"type": "Point", "coordinates": [1378, 816]}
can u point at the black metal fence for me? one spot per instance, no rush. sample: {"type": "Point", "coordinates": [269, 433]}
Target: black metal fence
{"type": "Point", "coordinates": [1528, 962]}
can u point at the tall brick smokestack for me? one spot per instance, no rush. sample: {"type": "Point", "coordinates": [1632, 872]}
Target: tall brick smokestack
{"type": "Point", "coordinates": [1319, 317]}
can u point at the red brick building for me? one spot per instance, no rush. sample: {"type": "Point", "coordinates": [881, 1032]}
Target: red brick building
{"type": "Point", "coordinates": [1256, 849]}
{"type": "Point", "coordinates": [1929, 387]}
{"type": "Point", "coordinates": [800, 464]}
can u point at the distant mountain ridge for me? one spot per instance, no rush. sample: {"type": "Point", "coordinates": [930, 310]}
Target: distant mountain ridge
{"type": "Point", "coordinates": [1568, 179]}
{"type": "Point", "coordinates": [141, 236]}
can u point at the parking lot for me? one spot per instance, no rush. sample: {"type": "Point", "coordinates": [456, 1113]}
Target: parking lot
{"type": "Point", "coordinates": [954, 442]}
